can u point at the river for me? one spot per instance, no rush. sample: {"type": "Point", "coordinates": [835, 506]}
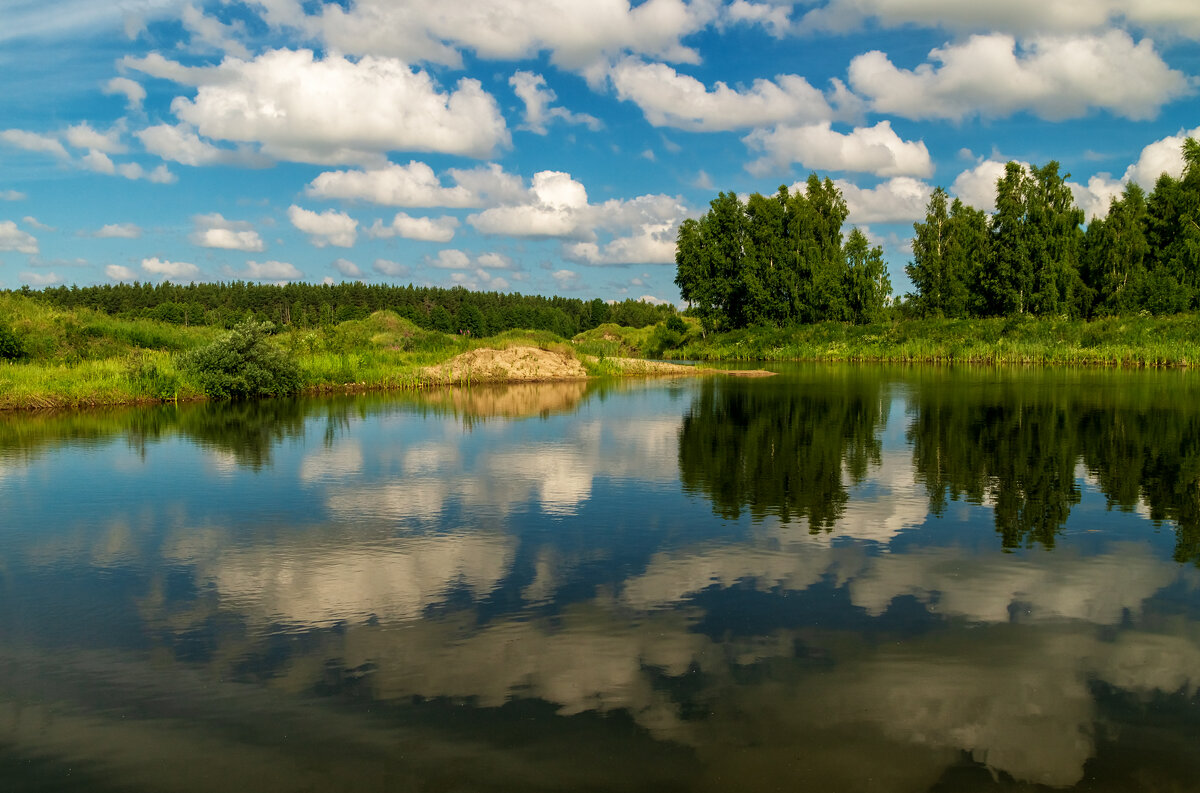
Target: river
{"type": "Point", "coordinates": [841, 578]}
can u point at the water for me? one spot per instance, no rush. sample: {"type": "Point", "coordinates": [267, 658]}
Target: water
{"type": "Point", "coordinates": [837, 579]}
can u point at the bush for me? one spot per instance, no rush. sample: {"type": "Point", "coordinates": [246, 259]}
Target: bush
{"type": "Point", "coordinates": [244, 364]}
{"type": "Point", "coordinates": [11, 348]}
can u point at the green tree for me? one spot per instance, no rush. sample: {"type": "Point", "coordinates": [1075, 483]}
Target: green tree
{"type": "Point", "coordinates": [868, 287]}
{"type": "Point", "coordinates": [1115, 252]}
{"type": "Point", "coordinates": [244, 364]}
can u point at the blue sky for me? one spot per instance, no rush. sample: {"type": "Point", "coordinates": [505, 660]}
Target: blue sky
{"type": "Point", "coordinates": [543, 146]}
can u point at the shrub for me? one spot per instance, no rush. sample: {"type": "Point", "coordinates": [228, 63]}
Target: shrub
{"type": "Point", "coordinates": [244, 364]}
{"type": "Point", "coordinates": [11, 348]}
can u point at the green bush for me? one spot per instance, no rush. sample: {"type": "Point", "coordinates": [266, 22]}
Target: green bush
{"type": "Point", "coordinates": [11, 348]}
{"type": "Point", "coordinates": [244, 364]}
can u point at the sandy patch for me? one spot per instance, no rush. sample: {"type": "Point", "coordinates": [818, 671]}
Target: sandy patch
{"type": "Point", "coordinates": [638, 366]}
{"type": "Point", "coordinates": [516, 364]}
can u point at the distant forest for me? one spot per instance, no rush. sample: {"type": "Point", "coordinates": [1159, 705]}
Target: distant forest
{"type": "Point", "coordinates": [782, 260]}
{"type": "Point", "coordinates": [456, 310]}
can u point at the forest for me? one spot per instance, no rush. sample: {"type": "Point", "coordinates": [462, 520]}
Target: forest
{"type": "Point", "coordinates": [781, 260]}
{"type": "Point", "coordinates": [302, 306]}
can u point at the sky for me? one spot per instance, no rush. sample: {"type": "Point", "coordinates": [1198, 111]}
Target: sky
{"type": "Point", "coordinates": [544, 146]}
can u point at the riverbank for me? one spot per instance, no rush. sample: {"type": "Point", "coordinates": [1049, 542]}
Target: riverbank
{"type": "Point", "coordinates": [84, 358]}
{"type": "Point", "coordinates": [1136, 342]}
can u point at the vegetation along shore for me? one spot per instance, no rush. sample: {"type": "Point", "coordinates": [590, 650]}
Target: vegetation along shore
{"type": "Point", "coordinates": [768, 278]}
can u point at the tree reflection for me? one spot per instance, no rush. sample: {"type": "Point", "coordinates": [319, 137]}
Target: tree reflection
{"type": "Point", "coordinates": [783, 448]}
{"type": "Point", "coordinates": [1016, 442]}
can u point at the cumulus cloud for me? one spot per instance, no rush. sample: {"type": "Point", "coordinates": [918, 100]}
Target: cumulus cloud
{"type": "Point", "coordinates": [555, 206]}
{"type": "Point", "coordinates": [426, 229]}
{"type": "Point", "coordinates": [1095, 196]}
{"type": "Point", "coordinates": [32, 141]}
{"type": "Point", "coordinates": [899, 199]}
{"type": "Point", "coordinates": [13, 239]}
{"type": "Point", "coordinates": [1021, 17]}
{"type": "Point", "coordinates": [450, 259]}
{"type": "Point", "coordinates": [977, 186]}
{"type": "Point", "coordinates": [212, 33]}
{"type": "Point", "coordinates": [326, 228]}
{"type": "Point", "coordinates": [531, 89]}
{"type": "Point", "coordinates": [670, 99]}
{"type": "Point", "coordinates": [1053, 77]}
{"type": "Point", "coordinates": [30, 220]}
{"type": "Point", "coordinates": [301, 108]}
{"type": "Point", "coordinates": [100, 162]}
{"type": "Point", "coordinates": [133, 92]}
{"type": "Point", "coordinates": [412, 185]}
{"type": "Point", "coordinates": [509, 30]}
{"type": "Point", "coordinates": [41, 279]}
{"type": "Point", "coordinates": [878, 150]}
{"type": "Point", "coordinates": [170, 271]}
{"type": "Point", "coordinates": [389, 268]}
{"type": "Point", "coordinates": [84, 136]}
{"type": "Point", "coordinates": [272, 271]}
{"type": "Point", "coordinates": [12, 195]}
{"type": "Point", "coordinates": [1161, 156]}
{"type": "Point", "coordinates": [181, 144]}
{"type": "Point", "coordinates": [775, 19]}
{"type": "Point", "coordinates": [214, 231]}
{"type": "Point", "coordinates": [125, 231]}
{"type": "Point", "coordinates": [119, 272]}
{"type": "Point", "coordinates": [347, 268]}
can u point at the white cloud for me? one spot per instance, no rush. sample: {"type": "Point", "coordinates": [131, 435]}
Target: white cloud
{"type": "Point", "coordinates": [878, 150]}
{"type": "Point", "coordinates": [426, 229]}
{"type": "Point", "coordinates": [308, 110]}
{"type": "Point", "coordinates": [390, 268]}
{"type": "Point", "coordinates": [556, 206]}
{"type": "Point", "coordinates": [899, 199]}
{"type": "Point", "coordinates": [1021, 17]}
{"type": "Point", "coordinates": [214, 231]}
{"type": "Point", "coordinates": [531, 89]}
{"type": "Point", "coordinates": [32, 141]}
{"type": "Point", "coordinates": [125, 231]}
{"type": "Point", "coordinates": [1159, 157]}
{"type": "Point", "coordinates": [450, 259]}
{"type": "Point", "coordinates": [13, 239]}
{"type": "Point", "coordinates": [30, 220]}
{"type": "Point", "coordinates": [565, 279]}
{"type": "Point", "coordinates": [118, 272]}
{"type": "Point", "coordinates": [213, 33]}
{"type": "Point", "coordinates": [133, 92]}
{"type": "Point", "coordinates": [1052, 77]}
{"type": "Point", "coordinates": [170, 271]}
{"type": "Point", "coordinates": [272, 271]}
{"type": "Point", "coordinates": [84, 136]}
{"type": "Point", "coordinates": [12, 195]}
{"type": "Point", "coordinates": [495, 261]}
{"type": "Point", "coordinates": [181, 144]}
{"type": "Point", "coordinates": [1095, 197]}
{"type": "Point", "coordinates": [977, 186]}
{"type": "Point", "coordinates": [575, 34]}
{"type": "Point", "coordinates": [347, 268]}
{"type": "Point", "coordinates": [670, 99]}
{"type": "Point", "coordinates": [100, 162]}
{"type": "Point", "coordinates": [412, 185]}
{"type": "Point", "coordinates": [326, 228]}
{"type": "Point", "coordinates": [41, 279]}
{"type": "Point", "coordinates": [774, 18]}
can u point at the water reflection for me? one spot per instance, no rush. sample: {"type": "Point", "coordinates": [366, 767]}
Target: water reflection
{"type": "Point", "coordinates": [379, 593]}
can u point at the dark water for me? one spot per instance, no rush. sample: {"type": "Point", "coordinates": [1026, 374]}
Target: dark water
{"type": "Point", "coordinates": [838, 579]}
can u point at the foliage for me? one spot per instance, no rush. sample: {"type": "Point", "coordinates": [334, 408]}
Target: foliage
{"type": "Point", "coordinates": [244, 364]}
{"type": "Point", "coordinates": [11, 346]}
{"type": "Point", "coordinates": [778, 261]}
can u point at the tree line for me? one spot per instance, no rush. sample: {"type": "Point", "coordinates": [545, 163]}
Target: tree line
{"type": "Point", "coordinates": [782, 260]}
{"type": "Point", "coordinates": [302, 305]}
{"type": "Point", "coordinates": [1033, 255]}
{"type": "Point", "coordinates": [779, 260]}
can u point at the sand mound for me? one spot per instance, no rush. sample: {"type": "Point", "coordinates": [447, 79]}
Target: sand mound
{"type": "Point", "coordinates": [516, 364]}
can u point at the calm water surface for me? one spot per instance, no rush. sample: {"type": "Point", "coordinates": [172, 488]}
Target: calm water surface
{"type": "Point", "coordinates": [838, 579]}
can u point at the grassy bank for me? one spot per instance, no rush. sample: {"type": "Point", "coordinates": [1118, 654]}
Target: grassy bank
{"type": "Point", "coordinates": [72, 358]}
{"type": "Point", "coordinates": [76, 358]}
{"type": "Point", "coordinates": [1122, 341]}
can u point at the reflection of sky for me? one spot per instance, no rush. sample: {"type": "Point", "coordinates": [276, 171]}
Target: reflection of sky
{"type": "Point", "coordinates": [555, 558]}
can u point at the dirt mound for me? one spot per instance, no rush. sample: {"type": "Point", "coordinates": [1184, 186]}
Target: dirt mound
{"type": "Point", "coordinates": [516, 364]}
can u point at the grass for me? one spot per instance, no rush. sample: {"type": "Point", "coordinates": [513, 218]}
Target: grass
{"type": "Point", "coordinates": [85, 358]}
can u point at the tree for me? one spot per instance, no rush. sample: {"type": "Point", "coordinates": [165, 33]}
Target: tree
{"type": "Point", "coordinates": [244, 364]}
{"type": "Point", "coordinates": [1115, 252]}
{"type": "Point", "coordinates": [868, 286]}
